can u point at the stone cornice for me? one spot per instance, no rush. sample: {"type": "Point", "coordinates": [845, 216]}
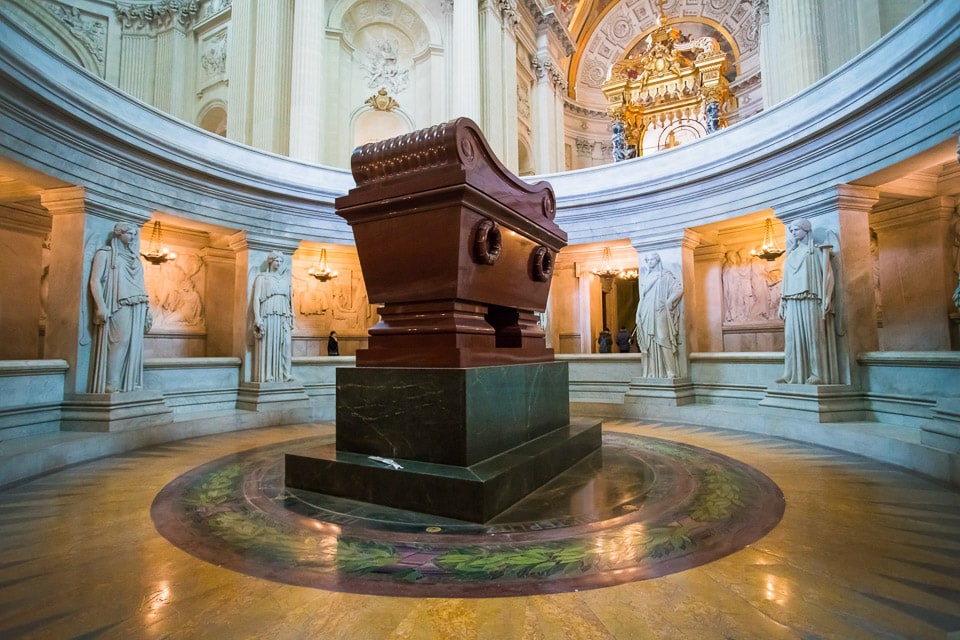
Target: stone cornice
{"type": "Point", "coordinates": [573, 107]}
{"type": "Point", "coordinates": [83, 131]}
{"type": "Point", "coordinates": [24, 220]}
{"type": "Point", "coordinates": [544, 67]}
{"type": "Point", "coordinates": [157, 15]}
{"type": "Point", "coordinates": [546, 17]}
{"type": "Point", "coordinates": [936, 209]}
{"type": "Point", "coordinates": [89, 31]}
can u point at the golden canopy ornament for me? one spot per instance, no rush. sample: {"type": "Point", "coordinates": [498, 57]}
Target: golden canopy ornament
{"type": "Point", "coordinates": [674, 83]}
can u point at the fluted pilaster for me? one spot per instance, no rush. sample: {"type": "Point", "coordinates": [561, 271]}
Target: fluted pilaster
{"type": "Point", "coordinates": [271, 77]}
{"type": "Point", "coordinates": [794, 47]}
{"type": "Point", "coordinates": [307, 88]}
{"type": "Point", "coordinates": [465, 61]}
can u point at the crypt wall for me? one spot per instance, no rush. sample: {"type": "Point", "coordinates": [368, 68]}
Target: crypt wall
{"type": "Point", "coordinates": [79, 155]}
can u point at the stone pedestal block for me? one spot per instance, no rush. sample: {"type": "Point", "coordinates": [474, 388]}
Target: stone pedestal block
{"type": "Point", "coordinates": [459, 443]}
{"type": "Point", "coordinates": [449, 416]}
{"type": "Point", "coordinates": [660, 392]}
{"type": "Point", "coordinates": [271, 396]}
{"type": "Point", "coordinates": [475, 493]}
{"type": "Point", "coordinates": [943, 429]}
{"type": "Point", "coordinates": [822, 403]}
{"type": "Point", "coordinates": [114, 411]}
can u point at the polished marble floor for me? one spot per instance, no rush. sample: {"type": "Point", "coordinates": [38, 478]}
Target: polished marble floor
{"type": "Point", "coordinates": [863, 550]}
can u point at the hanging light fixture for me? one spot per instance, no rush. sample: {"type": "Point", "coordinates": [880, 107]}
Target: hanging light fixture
{"type": "Point", "coordinates": [157, 253]}
{"type": "Point", "coordinates": [606, 270]}
{"type": "Point", "coordinates": [768, 249]}
{"type": "Point", "coordinates": [320, 270]}
{"type": "Point", "coordinates": [629, 274]}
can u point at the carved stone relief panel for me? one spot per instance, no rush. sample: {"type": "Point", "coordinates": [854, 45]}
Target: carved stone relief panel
{"type": "Point", "coordinates": [381, 61]}
{"type": "Point", "coordinates": [212, 61]}
{"type": "Point", "coordinates": [176, 291]}
{"type": "Point", "coordinates": [89, 30]}
{"type": "Point", "coordinates": [751, 287]}
{"type": "Point", "coordinates": [339, 304]}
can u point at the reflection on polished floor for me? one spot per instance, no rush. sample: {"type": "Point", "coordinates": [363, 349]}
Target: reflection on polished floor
{"type": "Point", "coordinates": [863, 550]}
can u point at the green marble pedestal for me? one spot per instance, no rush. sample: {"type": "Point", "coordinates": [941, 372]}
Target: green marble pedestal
{"type": "Point", "coordinates": [460, 443]}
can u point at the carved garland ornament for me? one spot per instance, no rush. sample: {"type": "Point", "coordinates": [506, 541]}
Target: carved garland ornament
{"type": "Point", "coordinates": [157, 15]}
{"type": "Point", "coordinates": [91, 33]}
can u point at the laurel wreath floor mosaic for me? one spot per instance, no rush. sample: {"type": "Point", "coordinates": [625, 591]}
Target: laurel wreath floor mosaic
{"type": "Point", "coordinates": [640, 508]}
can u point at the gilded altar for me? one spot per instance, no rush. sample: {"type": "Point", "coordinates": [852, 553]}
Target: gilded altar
{"type": "Point", "coordinates": [674, 91]}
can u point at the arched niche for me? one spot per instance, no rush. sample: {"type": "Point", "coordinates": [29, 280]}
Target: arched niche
{"type": "Point", "coordinates": [78, 35]}
{"type": "Point", "coordinates": [389, 45]}
{"type": "Point", "coordinates": [372, 125]}
{"type": "Point", "coordinates": [213, 118]}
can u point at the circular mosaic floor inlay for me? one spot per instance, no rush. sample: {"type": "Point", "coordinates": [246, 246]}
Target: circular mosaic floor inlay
{"type": "Point", "coordinates": [637, 509]}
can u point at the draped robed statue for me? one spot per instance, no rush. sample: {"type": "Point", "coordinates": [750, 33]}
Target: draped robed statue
{"type": "Point", "coordinates": [807, 310]}
{"type": "Point", "coordinates": [658, 320]}
{"type": "Point", "coordinates": [121, 313]}
{"type": "Point", "coordinates": [272, 324]}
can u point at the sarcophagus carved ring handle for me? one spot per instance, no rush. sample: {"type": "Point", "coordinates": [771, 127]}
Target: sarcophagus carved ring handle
{"type": "Point", "coordinates": [541, 263]}
{"type": "Point", "coordinates": [487, 242]}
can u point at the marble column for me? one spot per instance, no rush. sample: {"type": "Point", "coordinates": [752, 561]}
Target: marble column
{"type": "Point", "coordinates": [218, 299]}
{"type": "Point", "coordinates": [251, 251]}
{"type": "Point", "coordinates": [22, 237]}
{"type": "Point", "coordinates": [170, 72]}
{"type": "Point", "coordinates": [584, 311]}
{"type": "Point", "coordinates": [794, 46]}
{"type": "Point", "coordinates": [547, 109]}
{"type": "Point", "coordinates": [137, 65]}
{"type": "Point", "coordinates": [916, 274]}
{"type": "Point", "coordinates": [82, 223]}
{"type": "Point", "coordinates": [270, 104]}
{"type": "Point", "coordinates": [241, 40]}
{"type": "Point", "coordinates": [307, 87]}
{"type": "Point", "coordinates": [565, 305]}
{"type": "Point", "coordinates": [464, 72]}
{"type": "Point", "coordinates": [498, 23]}
{"type": "Point", "coordinates": [705, 308]}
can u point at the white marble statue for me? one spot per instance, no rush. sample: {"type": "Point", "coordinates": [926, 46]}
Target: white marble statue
{"type": "Point", "coordinates": [272, 323]}
{"type": "Point", "coordinates": [658, 320]}
{"type": "Point", "coordinates": [807, 310]}
{"type": "Point", "coordinates": [121, 313]}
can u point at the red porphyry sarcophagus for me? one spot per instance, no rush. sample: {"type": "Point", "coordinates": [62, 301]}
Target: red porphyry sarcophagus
{"type": "Point", "coordinates": [457, 250]}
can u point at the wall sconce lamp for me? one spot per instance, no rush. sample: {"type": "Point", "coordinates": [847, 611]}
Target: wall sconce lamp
{"type": "Point", "coordinates": [156, 253]}
{"type": "Point", "coordinates": [320, 270]}
{"type": "Point", "coordinates": [607, 270]}
{"type": "Point", "coordinates": [768, 249]}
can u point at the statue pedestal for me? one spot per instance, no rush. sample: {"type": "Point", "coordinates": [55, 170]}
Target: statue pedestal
{"type": "Point", "coordinates": [657, 392]}
{"type": "Point", "coordinates": [943, 429]}
{"type": "Point", "coordinates": [469, 443]}
{"type": "Point", "coordinates": [106, 412]}
{"type": "Point", "coordinates": [821, 402]}
{"type": "Point", "coordinates": [271, 396]}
